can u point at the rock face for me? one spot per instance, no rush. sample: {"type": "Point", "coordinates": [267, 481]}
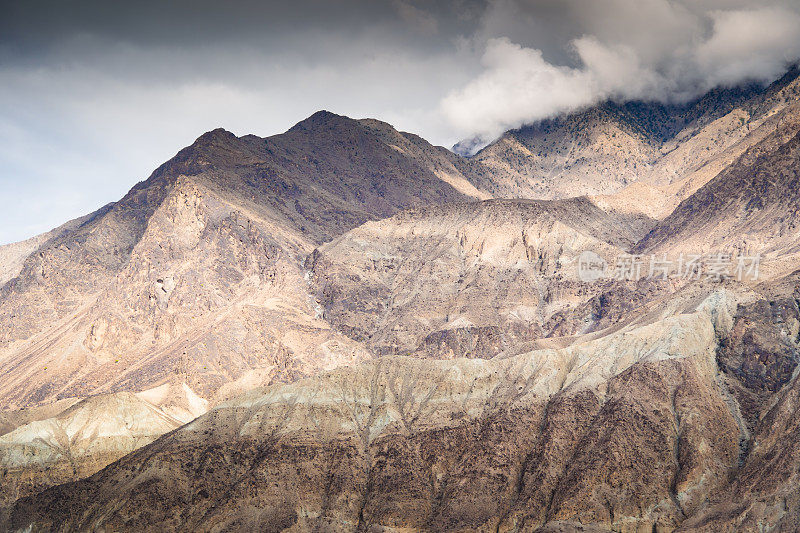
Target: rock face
{"type": "Point", "coordinates": [761, 354]}
{"type": "Point", "coordinates": [490, 274]}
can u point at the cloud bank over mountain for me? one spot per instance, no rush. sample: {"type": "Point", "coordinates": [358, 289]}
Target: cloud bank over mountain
{"type": "Point", "coordinates": [623, 49]}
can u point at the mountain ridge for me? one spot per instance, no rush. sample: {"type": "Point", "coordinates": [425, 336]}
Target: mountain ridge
{"type": "Point", "coordinates": [248, 272]}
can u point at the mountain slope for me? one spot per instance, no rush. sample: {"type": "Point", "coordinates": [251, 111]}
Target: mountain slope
{"type": "Point", "coordinates": [640, 430]}
{"type": "Point", "coordinates": [629, 431]}
{"type": "Point", "coordinates": [592, 152]}
{"type": "Point", "coordinates": [77, 442]}
{"type": "Point", "coordinates": [661, 151]}
{"type": "Point", "coordinates": [468, 279]}
{"type": "Point", "coordinates": [751, 207]}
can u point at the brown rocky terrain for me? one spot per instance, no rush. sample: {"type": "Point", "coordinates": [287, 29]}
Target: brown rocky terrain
{"type": "Point", "coordinates": [198, 270]}
{"type": "Point", "coordinates": [596, 151]}
{"type": "Point", "coordinates": [192, 288]}
{"type": "Point", "coordinates": [647, 428]}
{"type": "Point", "coordinates": [751, 206]}
{"type": "Point", "coordinates": [13, 256]}
{"type": "Point", "coordinates": [447, 280]}
{"type": "Point", "coordinates": [78, 441]}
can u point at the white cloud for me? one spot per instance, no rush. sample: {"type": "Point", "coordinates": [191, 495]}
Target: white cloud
{"type": "Point", "coordinates": [749, 44]}
{"type": "Point", "coordinates": [518, 86]}
{"type": "Point", "coordinates": [628, 49]}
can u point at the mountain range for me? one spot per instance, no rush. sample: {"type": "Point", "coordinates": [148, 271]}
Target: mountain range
{"type": "Point", "coordinates": [345, 328]}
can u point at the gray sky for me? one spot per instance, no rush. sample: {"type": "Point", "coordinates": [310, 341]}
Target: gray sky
{"type": "Point", "coordinates": [94, 96]}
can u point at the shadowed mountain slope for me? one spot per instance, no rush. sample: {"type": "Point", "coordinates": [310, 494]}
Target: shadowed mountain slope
{"type": "Point", "coordinates": [629, 431]}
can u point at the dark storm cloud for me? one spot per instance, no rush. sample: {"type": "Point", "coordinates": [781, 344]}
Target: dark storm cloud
{"type": "Point", "coordinates": [36, 26]}
{"type": "Point", "coordinates": [96, 94]}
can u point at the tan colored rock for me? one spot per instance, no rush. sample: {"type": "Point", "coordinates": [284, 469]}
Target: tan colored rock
{"type": "Point", "coordinates": [198, 271]}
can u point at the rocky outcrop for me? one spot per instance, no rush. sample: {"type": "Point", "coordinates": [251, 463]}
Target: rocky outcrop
{"type": "Point", "coordinates": [761, 354]}
{"type": "Point", "coordinates": [763, 492]}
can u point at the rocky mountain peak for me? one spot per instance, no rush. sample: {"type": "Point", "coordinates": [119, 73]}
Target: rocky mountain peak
{"type": "Point", "coordinates": [216, 135]}
{"type": "Point", "coordinates": [322, 120]}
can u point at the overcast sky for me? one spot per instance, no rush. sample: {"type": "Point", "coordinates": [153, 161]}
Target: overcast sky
{"type": "Point", "coordinates": [94, 96]}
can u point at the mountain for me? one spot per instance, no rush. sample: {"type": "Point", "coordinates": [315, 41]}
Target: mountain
{"type": "Point", "coordinates": [177, 277]}
{"type": "Point", "coordinates": [640, 150]}
{"type": "Point", "coordinates": [13, 256]}
{"type": "Point", "coordinates": [192, 288]}
{"type": "Point", "coordinates": [752, 206]}
{"type": "Point", "coordinates": [634, 430]}
{"type": "Point", "coordinates": [198, 270]}
{"type": "Point", "coordinates": [362, 331]}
